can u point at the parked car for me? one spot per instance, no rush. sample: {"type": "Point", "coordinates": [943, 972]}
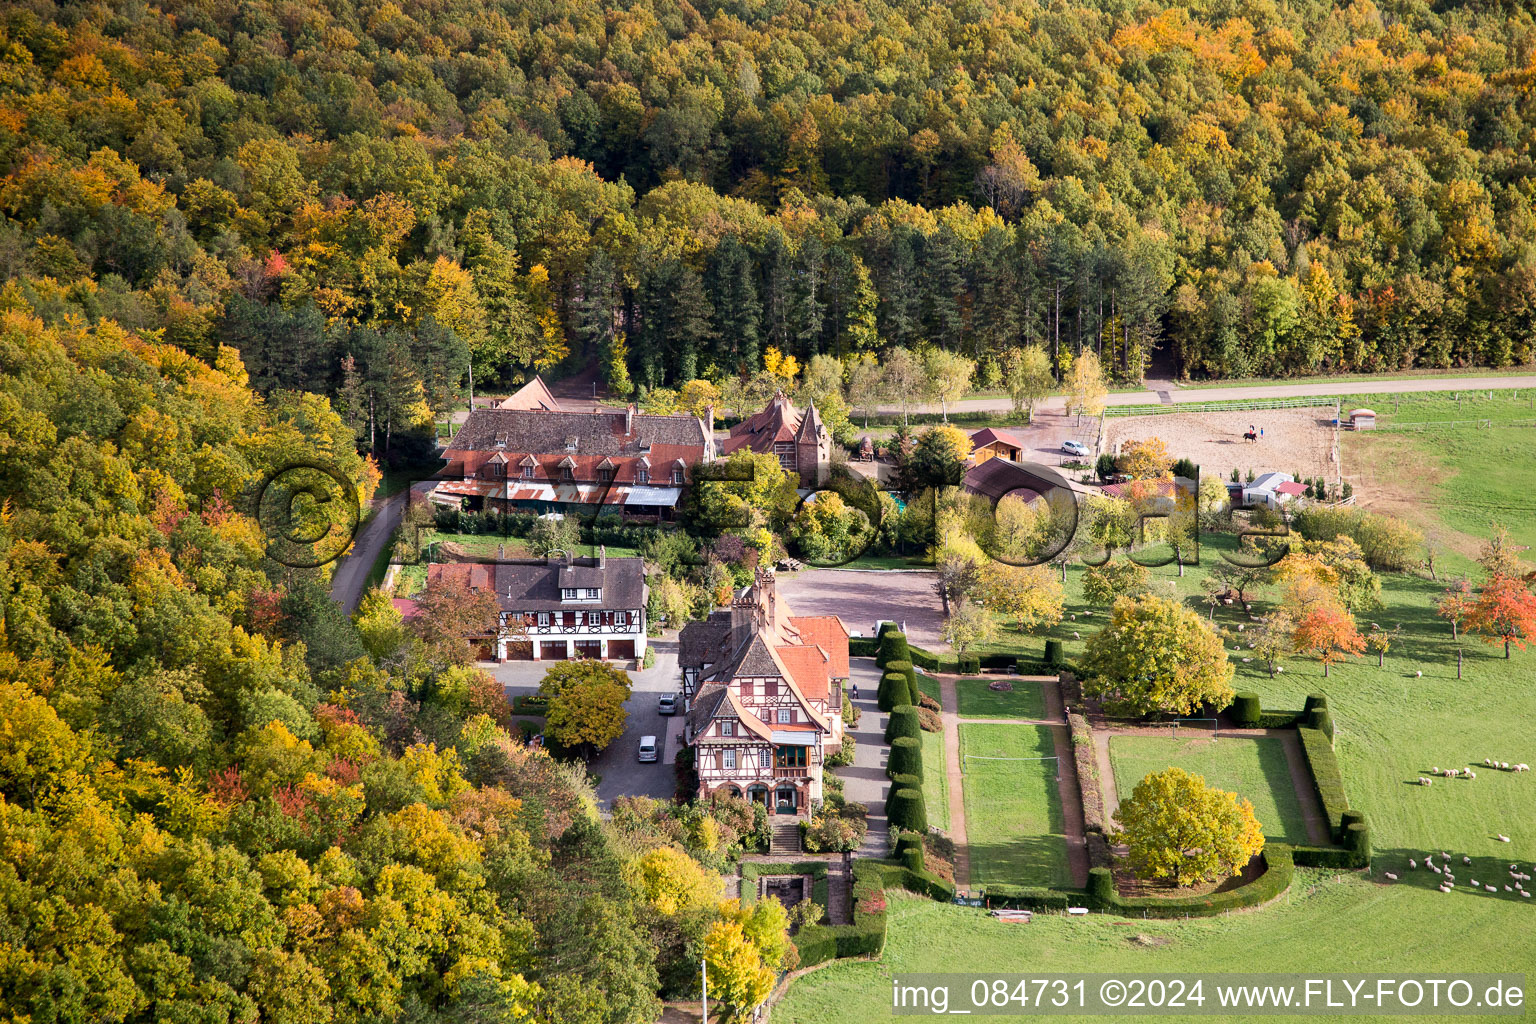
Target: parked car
{"type": "Point", "coordinates": [667, 705]}
{"type": "Point", "coordinates": [1075, 448]}
{"type": "Point", "coordinates": [648, 748]}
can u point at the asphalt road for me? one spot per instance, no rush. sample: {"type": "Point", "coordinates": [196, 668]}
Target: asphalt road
{"type": "Point", "coordinates": [352, 569]}
{"type": "Point", "coordinates": [1181, 396]}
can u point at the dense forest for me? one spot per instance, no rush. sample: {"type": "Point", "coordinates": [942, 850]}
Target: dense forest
{"type": "Point", "coordinates": [387, 202]}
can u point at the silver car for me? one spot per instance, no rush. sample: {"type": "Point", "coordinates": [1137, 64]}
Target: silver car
{"type": "Point", "coordinates": [648, 748]}
{"type": "Point", "coordinates": [667, 704]}
{"type": "Point", "coordinates": [1075, 448]}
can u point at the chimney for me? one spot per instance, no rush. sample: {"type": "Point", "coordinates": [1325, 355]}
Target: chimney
{"type": "Point", "coordinates": [602, 556]}
{"type": "Point", "coordinates": [629, 419]}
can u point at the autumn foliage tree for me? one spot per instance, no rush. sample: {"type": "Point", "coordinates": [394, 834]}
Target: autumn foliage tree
{"type": "Point", "coordinates": [1176, 827]}
{"type": "Point", "coordinates": [1029, 595]}
{"type": "Point", "coordinates": [1505, 612]}
{"type": "Point", "coordinates": [454, 618]}
{"type": "Point", "coordinates": [586, 703]}
{"type": "Point", "coordinates": [1327, 630]}
{"type": "Point", "coordinates": [1155, 655]}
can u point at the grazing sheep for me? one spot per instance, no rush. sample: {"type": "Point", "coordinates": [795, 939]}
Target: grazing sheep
{"type": "Point", "coordinates": [1487, 763]}
{"type": "Point", "coordinates": [1075, 636]}
{"type": "Point", "coordinates": [1434, 771]}
{"type": "Point", "coordinates": [1434, 869]}
{"type": "Point", "coordinates": [1391, 876]}
{"type": "Point", "coordinates": [1471, 774]}
{"type": "Point", "coordinates": [1474, 883]}
{"type": "Point", "coordinates": [1524, 893]}
{"type": "Point", "coordinates": [1240, 627]}
{"type": "Point", "coordinates": [1502, 838]}
{"type": "Point", "coordinates": [1419, 674]}
{"type": "Point", "coordinates": [1465, 859]}
{"type": "Point", "coordinates": [1508, 889]}
{"type": "Point", "coordinates": [1247, 660]}
{"type": "Point", "coordinates": [1412, 863]}
{"type": "Point", "coordinates": [1491, 888]}
{"type": "Point", "coordinates": [1522, 767]}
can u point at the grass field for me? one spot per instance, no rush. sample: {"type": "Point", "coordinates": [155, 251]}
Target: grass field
{"type": "Point", "coordinates": [1252, 767]}
{"type": "Point", "coordinates": [930, 686]}
{"type": "Point", "coordinates": [1267, 382]}
{"type": "Point", "coordinates": [1392, 727]}
{"type": "Point", "coordinates": [1026, 700]}
{"type": "Point", "coordinates": [1328, 924]}
{"type": "Point", "coordinates": [1013, 815]}
{"type": "Point", "coordinates": [494, 545]}
{"type": "Point", "coordinates": [935, 780]}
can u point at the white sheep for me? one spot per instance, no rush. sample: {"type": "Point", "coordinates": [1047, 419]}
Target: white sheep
{"type": "Point", "coordinates": [1419, 674]}
{"type": "Point", "coordinates": [1487, 763]}
{"type": "Point", "coordinates": [1491, 888]}
{"type": "Point", "coordinates": [1465, 859]}
{"type": "Point", "coordinates": [1075, 635]}
{"type": "Point", "coordinates": [1280, 669]}
{"type": "Point", "coordinates": [1525, 893]}
{"type": "Point", "coordinates": [1434, 771]}
{"type": "Point", "coordinates": [1522, 767]}
{"type": "Point", "coordinates": [1412, 863]}
{"type": "Point", "coordinates": [1502, 838]}
{"type": "Point", "coordinates": [1434, 869]}
{"type": "Point", "coordinates": [1474, 883]}
{"type": "Point", "coordinates": [1471, 774]}
{"type": "Point", "coordinates": [1240, 627]}
{"type": "Point", "coordinates": [1391, 876]}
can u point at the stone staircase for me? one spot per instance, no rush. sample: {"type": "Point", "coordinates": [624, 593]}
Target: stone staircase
{"type": "Point", "coordinates": [786, 835]}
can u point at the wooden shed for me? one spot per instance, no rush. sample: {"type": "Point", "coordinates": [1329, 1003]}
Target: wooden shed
{"type": "Point", "coordinates": [1362, 419]}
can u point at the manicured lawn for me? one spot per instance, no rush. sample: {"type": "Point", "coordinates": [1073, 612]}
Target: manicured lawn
{"type": "Point", "coordinates": [916, 561]}
{"type": "Point", "coordinates": [1392, 726]}
{"type": "Point", "coordinates": [1252, 767]}
{"type": "Point", "coordinates": [1263, 382]}
{"type": "Point", "coordinates": [1013, 815]}
{"type": "Point", "coordinates": [1026, 700]}
{"type": "Point", "coordinates": [494, 545]}
{"type": "Point", "coordinates": [1329, 923]}
{"type": "Point", "coordinates": [935, 781]}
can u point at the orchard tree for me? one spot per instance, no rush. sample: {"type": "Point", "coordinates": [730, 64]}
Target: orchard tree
{"type": "Point", "coordinates": [586, 703]}
{"type": "Point", "coordinates": [1274, 639]}
{"type": "Point", "coordinates": [1455, 604]}
{"type": "Point", "coordinates": [1157, 656]}
{"type": "Point", "coordinates": [1327, 630]}
{"type": "Point", "coordinates": [1119, 577]}
{"type": "Point", "coordinates": [1180, 829]}
{"type": "Point", "coordinates": [1505, 611]}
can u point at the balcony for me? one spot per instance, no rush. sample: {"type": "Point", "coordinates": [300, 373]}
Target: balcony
{"type": "Point", "coordinates": [791, 773]}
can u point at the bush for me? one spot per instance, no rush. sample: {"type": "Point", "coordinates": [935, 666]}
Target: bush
{"type": "Point", "coordinates": [863, 647]}
{"type": "Point", "coordinates": [929, 720]}
{"type": "Point", "coordinates": [894, 691]}
{"type": "Point", "coordinates": [893, 647]}
{"type": "Point", "coordinates": [902, 782]}
{"type": "Point", "coordinates": [844, 755]}
{"type": "Point", "coordinates": [1053, 655]}
{"type": "Point", "coordinates": [1314, 700]}
{"type": "Point", "coordinates": [912, 860]}
{"type": "Point", "coordinates": [970, 664]}
{"type": "Point", "coordinates": [1245, 710]}
{"type": "Point", "coordinates": [906, 841]}
{"type": "Point", "coordinates": [903, 723]}
{"type": "Point", "coordinates": [1028, 897]}
{"type": "Point", "coordinates": [1278, 872]}
{"type": "Point", "coordinates": [931, 703]}
{"type": "Point", "coordinates": [530, 704]}
{"type": "Point", "coordinates": [1322, 720]}
{"type": "Point", "coordinates": [1105, 468]}
{"type": "Point", "coordinates": [906, 757]}
{"type": "Point", "coordinates": [908, 810]}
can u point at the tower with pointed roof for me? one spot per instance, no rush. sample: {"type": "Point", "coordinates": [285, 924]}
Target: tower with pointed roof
{"type": "Point", "coordinates": [799, 439]}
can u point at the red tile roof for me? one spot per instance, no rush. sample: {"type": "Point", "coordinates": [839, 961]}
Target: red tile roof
{"type": "Point", "coordinates": [807, 666]}
{"type": "Point", "coordinates": [828, 633]}
{"type": "Point", "coordinates": [533, 395]}
{"type": "Point", "coordinates": [474, 575]}
{"type": "Point", "coordinates": [1291, 488]}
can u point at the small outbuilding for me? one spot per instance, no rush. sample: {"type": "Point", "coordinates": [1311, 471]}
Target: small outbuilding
{"type": "Point", "coordinates": [1362, 419]}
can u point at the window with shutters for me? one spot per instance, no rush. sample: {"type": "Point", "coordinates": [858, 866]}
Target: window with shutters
{"type": "Point", "coordinates": [786, 716]}
{"type": "Point", "coordinates": [730, 759]}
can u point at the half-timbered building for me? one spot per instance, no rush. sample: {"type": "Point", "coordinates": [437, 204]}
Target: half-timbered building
{"type": "Point", "coordinates": [763, 689]}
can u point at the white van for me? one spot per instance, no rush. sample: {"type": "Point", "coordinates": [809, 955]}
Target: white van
{"type": "Point", "coordinates": [648, 748]}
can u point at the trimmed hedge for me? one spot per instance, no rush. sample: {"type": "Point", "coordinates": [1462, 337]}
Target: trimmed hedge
{"type": "Point", "coordinates": [893, 647]}
{"type": "Point", "coordinates": [1027, 897]}
{"type": "Point", "coordinates": [1279, 868]}
{"type": "Point", "coordinates": [865, 936]}
{"type": "Point", "coordinates": [907, 841]}
{"type": "Point", "coordinates": [1314, 700]}
{"type": "Point", "coordinates": [1322, 720]}
{"type": "Point", "coordinates": [970, 663]}
{"type": "Point", "coordinates": [907, 809]}
{"type": "Point", "coordinates": [1326, 777]}
{"type": "Point", "coordinates": [902, 782]}
{"type": "Point", "coordinates": [1325, 857]}
{"type": "Point", "coordinates": [906, 669]}
{"type": "Point", "coordinates": [1245, 709]}
{"type": "Point", "coordinates": [530, 704]}
{"type": "Point", "coordinates": [1278, 719]}
{"type": "Point", "coordinates": [906, 757]}
{"type": "Point", "coordinates": [904, 722]}
{"type": "Point", "coordinates": [924, 883]}
{"type": "Point", "coordinates": [1053, 654]}
{"type": "Point", "coordinates": [863, 647]}
{"type": "Point", "coordinates": [1357, 839]}
{"type": "Point", "coordinates": [1094, 819]}
{"type": "Point", "coordinates": [751, 871]}
{"type": "Point", "coordinates": [894, 691]}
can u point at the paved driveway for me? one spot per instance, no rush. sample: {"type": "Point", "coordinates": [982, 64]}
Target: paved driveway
{"type": "Point", "coordinates": [619, 771]}
{"type": "Point", "coordinates": [862, 597]}
{"type": "Point", "coordinates": [865, 780]}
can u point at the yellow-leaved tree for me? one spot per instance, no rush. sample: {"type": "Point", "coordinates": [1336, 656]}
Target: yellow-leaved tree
{"type": "Point", "coordinates": [673, 882]}
{"type": "Point", "coordinates": [1180, 829]}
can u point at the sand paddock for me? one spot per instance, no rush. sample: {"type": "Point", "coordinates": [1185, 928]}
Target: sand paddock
{"type": "Point", "coordinates": [1295, 440]}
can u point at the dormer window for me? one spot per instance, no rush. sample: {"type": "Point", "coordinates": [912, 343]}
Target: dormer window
{"type": "Point", "coordinates": [527, 472]}
{"type": "Point", "coordinates": [642, 475]}
{"type": "Point", "coordinates": [677, 475]}
{"type": "Point", "coordinates": [727, 728]}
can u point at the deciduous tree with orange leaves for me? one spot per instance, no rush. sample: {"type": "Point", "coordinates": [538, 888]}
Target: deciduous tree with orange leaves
{"type": "Point", "coordinates": [1329, 631]}
{"type": "Point", "coordinates": [1505, 611]}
